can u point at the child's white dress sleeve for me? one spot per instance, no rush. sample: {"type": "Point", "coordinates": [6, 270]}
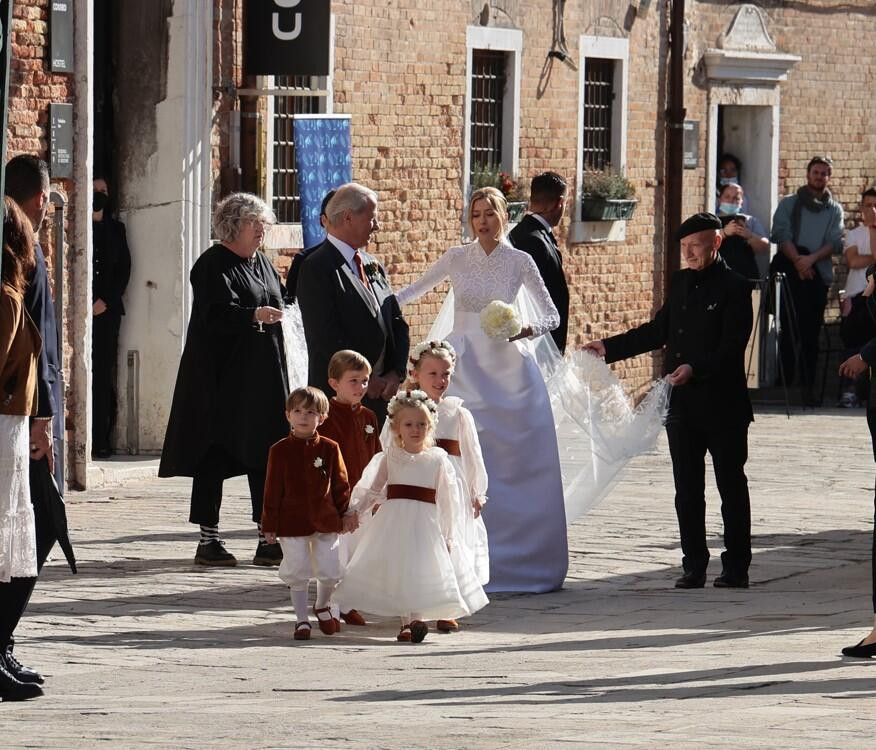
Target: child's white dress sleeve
{"type": "Point", "coordinates": [447, 498]}
{"type": "Point", "coordinates": [472, 458]}
{"type": "Point", "coordinates": [371, 488]}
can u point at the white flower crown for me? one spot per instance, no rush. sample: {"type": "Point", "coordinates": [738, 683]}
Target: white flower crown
{"type": "Point", "coordinates": [407, 399]}
{"type": "Point", "coordinates": [437, 348]}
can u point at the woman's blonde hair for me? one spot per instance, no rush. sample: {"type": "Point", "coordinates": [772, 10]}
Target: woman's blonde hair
{"type": "Point", "coordinates": [413, 399]}
{"type": "Point", "coordinates": [495, 199]}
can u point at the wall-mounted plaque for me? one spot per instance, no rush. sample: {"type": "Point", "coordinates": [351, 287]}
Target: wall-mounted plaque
{"type": "Point", "coordinates": [61, 140]}
{"type": "Point", "coordinates": [691, 144]}
{"type": "Point", "coordinates": [61, 35]}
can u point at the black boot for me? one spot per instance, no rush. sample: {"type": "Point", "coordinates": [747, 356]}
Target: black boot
{"type": "Point", "coordinates": [12, 689]}
{"type": "Point", "coordinates": [692, 579]}
{"type": "Point", "coordinates": [214, 553]}
{"type": "Point", "coordinates": [268, 554]}
{"type": "Point", "coordinates": [21, 672]}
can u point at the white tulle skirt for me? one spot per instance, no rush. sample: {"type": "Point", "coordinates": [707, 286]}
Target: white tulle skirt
{"type": "Point", "coordinates": [401, 566]}
{"type": "Point", "coordinates": [17, 527]}
{"type": "Point", "coordinates": [471, 532]}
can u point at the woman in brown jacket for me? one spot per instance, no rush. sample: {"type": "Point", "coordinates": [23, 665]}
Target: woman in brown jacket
{"type": "Point", "coordinates": [19, 347]}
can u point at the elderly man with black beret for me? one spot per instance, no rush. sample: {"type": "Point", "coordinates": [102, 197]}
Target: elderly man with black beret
{"type": "Point", "coordinates": [703, 328]}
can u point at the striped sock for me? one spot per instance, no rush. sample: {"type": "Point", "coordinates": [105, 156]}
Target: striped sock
{"type": "Point", "coordinates": [261, 536]}
{"type": "Point", "coordinates": [209, 534]}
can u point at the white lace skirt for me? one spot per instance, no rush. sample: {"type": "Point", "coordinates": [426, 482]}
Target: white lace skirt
{"type": "Point", "coordinates": [17, 529]}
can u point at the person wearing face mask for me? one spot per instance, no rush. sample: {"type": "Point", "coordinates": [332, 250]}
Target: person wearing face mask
{"type": "Point", "coordinates": [743, 235]}
{"type": "Point", "coordinates": [111, 269]}
{"type": "Point", "coordinates": [729, 169]}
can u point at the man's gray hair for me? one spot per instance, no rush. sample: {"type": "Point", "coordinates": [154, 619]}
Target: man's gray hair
{"type": "Point", "coordinates": [235, 210]}
{"type": "Point", "coordinates": [351, 197]}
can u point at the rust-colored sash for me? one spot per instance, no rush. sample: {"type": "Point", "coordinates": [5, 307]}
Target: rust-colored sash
{"type": "Point", "coordinates": [410, 492]}
{"type": "Point", "coordinates": [451, 446]}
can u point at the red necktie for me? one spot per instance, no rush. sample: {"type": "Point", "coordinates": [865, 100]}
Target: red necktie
{"type": "Point", "coordinates": [357, 259]}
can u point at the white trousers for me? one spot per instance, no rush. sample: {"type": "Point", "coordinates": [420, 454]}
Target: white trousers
{"type": "Point", "coordinates": [305, 557]}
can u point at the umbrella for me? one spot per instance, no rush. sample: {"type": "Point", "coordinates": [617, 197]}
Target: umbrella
{"type": "Point", "coordinates": [48, 489]}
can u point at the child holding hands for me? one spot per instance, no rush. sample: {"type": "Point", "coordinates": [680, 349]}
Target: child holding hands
{"type": "Point", "coordinates": [354, 428]}
{"type": "Point", "coordinates": [306, 496]}
{"type": "Point", "coordinates": [403, 564]}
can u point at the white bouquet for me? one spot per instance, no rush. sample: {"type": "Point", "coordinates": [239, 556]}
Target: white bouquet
{"type": "Point", "coordinates": [499, 320]}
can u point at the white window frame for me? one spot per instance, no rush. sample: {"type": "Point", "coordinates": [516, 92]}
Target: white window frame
{"type": "Point", "coordinates": [290, 235]}
{"type": "Point", "coordinates": [605, 48]}
{"type": "Point", "coordinates": [500, 40]}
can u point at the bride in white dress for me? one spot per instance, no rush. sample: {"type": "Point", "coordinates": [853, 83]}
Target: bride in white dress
{"type": "Point", "coordinates": [505, 391]}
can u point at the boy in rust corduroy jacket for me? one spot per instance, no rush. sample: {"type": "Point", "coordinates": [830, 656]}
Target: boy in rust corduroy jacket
{"type": "Point", "coordinates": [354, 428]}
{"type": "Point", "coordinates": [306, 496]}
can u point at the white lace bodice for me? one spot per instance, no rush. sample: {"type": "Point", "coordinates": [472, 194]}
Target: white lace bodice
{"type": "Point", "coordinates": [478, 279]}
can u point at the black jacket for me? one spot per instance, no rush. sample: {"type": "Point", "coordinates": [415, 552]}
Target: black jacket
{"type": "Point", "coordinates": [705, 323]}
{"type": "Point", "coordinates": [232, 383]}
{"type": "Point", "coordinates": [531, 237]}
{"type": "Point", "coordinates": [111, 263]}
{"type": "Point", "coordinates": [294, 270]}
{"type": "Point", "coordinates": [337, 315]}
{"type": "Point", "coordinates": [41, 308]}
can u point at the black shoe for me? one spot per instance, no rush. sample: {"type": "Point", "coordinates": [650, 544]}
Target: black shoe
{"type": "Point", "coordinates": [860, 650]}
{"type": "Point", "coordinates": [101, 453]}
{"type": "Point", "coordinates": [214, 553]}
{"type": "Point", "coordinates": [728, 581]}
{"type": "Point", "coordinates": [419, 629]}
{"type": "Point", "coordinates": [268, 554]}
{"type": "Point", "coordinates": [12, 689]}
{"type": "Point", "coordinates": [692, 579]}
{"type": "Point", "coordinates": [21, 672]}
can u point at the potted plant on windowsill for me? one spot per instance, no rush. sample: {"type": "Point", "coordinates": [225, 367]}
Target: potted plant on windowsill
{"type": "Point", "coordinates": [607, 196]}
{"type": "Point", "coordinates": [492, 177]}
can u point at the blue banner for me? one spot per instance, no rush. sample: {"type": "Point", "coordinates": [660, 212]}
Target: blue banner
{"type": "Point", "coordinates": [323, 153]}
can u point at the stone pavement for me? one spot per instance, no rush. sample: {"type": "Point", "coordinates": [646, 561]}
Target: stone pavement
{"type": "Point", "coordinates": [143, 649]}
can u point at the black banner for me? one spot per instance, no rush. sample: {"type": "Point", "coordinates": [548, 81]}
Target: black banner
{"type": "Point", "coordinates": [287, 37]}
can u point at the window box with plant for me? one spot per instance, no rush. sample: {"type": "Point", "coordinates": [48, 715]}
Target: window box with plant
{"type": "Point", "coordinates": [509, 187]}
{"type": "Point", "coordinates": [607, 196]}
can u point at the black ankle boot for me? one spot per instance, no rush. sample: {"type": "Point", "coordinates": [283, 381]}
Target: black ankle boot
{"type": "Point", "coordinates": [21, 672]}
{"type": "Point", "coordinates": [214, 553]}
{"type": "Point", "coordinates": [12, 689]}
{"type": "Point", "coordinates": [268, 554]}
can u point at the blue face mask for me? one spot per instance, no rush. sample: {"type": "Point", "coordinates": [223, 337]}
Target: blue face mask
{"type": "Point", "coordinates": [728, 181]}
{"type": "Point", "coordinates": [728, 209]}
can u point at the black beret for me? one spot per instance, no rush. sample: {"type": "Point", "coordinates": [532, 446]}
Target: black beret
{"type": "Point", "coordinates": [698, 223]}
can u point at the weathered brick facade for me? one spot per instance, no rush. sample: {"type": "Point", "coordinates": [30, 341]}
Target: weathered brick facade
{"type": "Point", "coordinates": [400, 71]}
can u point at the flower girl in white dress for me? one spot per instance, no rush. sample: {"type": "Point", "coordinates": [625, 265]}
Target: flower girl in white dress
{"type": "Point", "coordinates": [403, 565]}
{"type": "Point", "coordinates": [431, 368]}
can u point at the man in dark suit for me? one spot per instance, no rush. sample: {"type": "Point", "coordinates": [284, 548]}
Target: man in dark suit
{"type": "Point", "coordinates": [27, 183]}
{"type": "Point", "coordinates": [534, 235]}
{"type": "Point", "coordinates": [347, 303]}
{"type": "Point", "coordinates": [704, 326]}
{"type": "Point", "coordinates": [295, 268]}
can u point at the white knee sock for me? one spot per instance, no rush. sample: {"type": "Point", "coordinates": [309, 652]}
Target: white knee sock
{"type": "Point", "coordinates": [324, 593]}
{"type": "Point", "coordinates": [299, 602]}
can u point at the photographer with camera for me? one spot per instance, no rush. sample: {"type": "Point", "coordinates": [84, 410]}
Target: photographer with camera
{"type": "Point", "coordinates": [743, 235]}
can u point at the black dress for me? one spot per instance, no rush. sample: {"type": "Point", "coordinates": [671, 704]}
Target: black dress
{"type": "Point", "coordinates": [230, 395]}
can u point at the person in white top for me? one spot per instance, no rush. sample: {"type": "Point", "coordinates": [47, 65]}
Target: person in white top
{"type": "Point", "coordinates": [503, 388]}
{"type": "Point", "coordinates": [858, 255]}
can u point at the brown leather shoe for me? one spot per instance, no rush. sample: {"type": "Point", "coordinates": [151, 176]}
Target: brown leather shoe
{"type": "Point", "coordinates": [353, 617]}
{"type": "Point", "coordinates": [327, 626]}
{"type": "Point", "coordinates": [404, 635]}
{"type": "Point", "coordinates": [302, 631]}
{"type": "Point", "coordinates": [447, 626]}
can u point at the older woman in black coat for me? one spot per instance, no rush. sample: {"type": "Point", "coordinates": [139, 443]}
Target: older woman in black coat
{"type": "Point", "coordinates": [229, 400]}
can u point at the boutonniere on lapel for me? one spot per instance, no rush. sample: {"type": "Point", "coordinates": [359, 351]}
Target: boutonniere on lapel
{"type": "Point", "coordinates": [373, 271]}
{"type": "Point", "coordinates": [712, 306]}
{"type": "Point", "coordinates": [319, 464]}
{"type": "Point", "coordinates": [369, 430]}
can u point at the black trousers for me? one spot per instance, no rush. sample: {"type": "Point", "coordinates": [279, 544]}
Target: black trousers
{"type": "Point", "coordinates": [104, 361]}
{"type": "Point", "coordinates": [207, 484]}
{"type": "Point", "coordinates": [809, 299]}
{"type": "Point", "coordinates": [728, 446]}
{"type": "Point", "coordinates": [15, 595]}
{"type": "Point", "coordinates": [871, 423]}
